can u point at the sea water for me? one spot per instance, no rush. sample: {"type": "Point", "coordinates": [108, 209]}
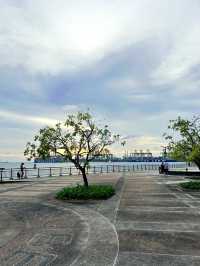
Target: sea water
{"type": "Point", "coordinates": [27, 164]}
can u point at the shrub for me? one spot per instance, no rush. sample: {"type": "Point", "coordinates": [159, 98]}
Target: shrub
{"type": "Point", "coordinates": [191, 185]}
{"type": "Point", "coordinates": [84, 193]}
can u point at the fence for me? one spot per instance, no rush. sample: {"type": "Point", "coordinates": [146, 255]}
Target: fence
{"type": "Point", "coordinates": [11, 174]}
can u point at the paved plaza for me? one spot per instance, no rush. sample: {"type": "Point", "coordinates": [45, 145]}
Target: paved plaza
{"type": "Point", "coordinates": [149, 221]}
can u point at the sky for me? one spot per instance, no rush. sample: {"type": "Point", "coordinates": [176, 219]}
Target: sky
{"type": "Point", "coordinates": [134, 63]}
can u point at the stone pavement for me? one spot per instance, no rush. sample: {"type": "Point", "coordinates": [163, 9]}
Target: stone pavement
{"type": "Point", "coordinates": [157, 223]}
{"type": "Point", "coordinates": [36, 229]}
{"type": "Point", "coordinates": [150, 221]}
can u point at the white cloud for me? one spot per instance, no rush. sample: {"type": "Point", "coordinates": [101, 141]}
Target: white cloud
{"type": "Point", "coordinates": [183, 56]}
{"type": "Point", "coordinates": [145, 142]}
{"type": "Point", "coordinates": [126, 84]}
{"type": "Point", "coordinates": [59, 36]}
{"type": "Point", "coordinates": [23, 119]}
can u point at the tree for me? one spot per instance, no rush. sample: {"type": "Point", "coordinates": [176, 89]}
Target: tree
{"type": "Point", "coordinates": [185, 145]}
{"type": "Point", "coordinates": [78, 140]}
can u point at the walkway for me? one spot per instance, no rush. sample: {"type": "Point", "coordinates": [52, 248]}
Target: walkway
{"type": "Point", "coordinates": [36, 229]}
{"type": "Point", "coordinates": [148, 222]}
{"type": "Point", "coordinates": [158, 224]}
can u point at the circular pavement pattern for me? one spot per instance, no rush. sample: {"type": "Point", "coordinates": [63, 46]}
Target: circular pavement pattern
{"type": "Point", "coordinates": [36, 234]}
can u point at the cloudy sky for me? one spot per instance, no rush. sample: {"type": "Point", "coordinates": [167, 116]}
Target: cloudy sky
{"type": "Point", "coordinates": [134, 63]}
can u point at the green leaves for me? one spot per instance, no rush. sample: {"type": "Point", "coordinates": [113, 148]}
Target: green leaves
{"type": "Point", "coordinates": [184, 144]}
{"type": "Point", "coordinates": [78, 139]}
{"type": "Point", "coordinates": [193, 185]}
{"type": "Point", "coordinates": [79, 192]}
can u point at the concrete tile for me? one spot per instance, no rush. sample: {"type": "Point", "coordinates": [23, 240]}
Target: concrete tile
{"type": "Point", "coordinates": [150, 196]}
{"type": "Point", "coordinates": [157, 226]}
{"type": "Point", "coordinates": [158, 203]}
{"type": "Point", "coordinates": [158, 216]}
{"type": "Point", "coordinates": [176, 243]}
{"type": "Point", "coordinates": [144, 259]}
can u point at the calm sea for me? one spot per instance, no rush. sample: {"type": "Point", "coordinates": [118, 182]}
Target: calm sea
{"type": "Point", "coordinates": [9, 165]}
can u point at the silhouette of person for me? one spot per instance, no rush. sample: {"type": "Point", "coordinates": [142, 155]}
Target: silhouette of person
{"type": "Point", "coordinates": [22, 169]}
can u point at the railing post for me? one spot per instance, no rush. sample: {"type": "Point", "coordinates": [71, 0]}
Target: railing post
{"type": "Point", "coordinates": [1, 175]}
{"type": "Point", "coordinates": [118, 168]}
{"type": "Point", "coordinates": [133, 168]}
{"type": "Point", "coordinates": [25, 176]}
{"type": "Point", "coordinates": [70, 171]}
{"type": "Point", "coordinates": [11, 173]}
{"type": "Point", "coordinates": [107, 168]}
{"type": "Point", "coordinates": [38, 174]}
{"type": "Point", "coordinates": [94, 170]}
{"type": "Point", "coordinates": [101, 169]}
{"type": "Point", "coordinates": [113, 168]}
{"type": "Point", "coordinates": [50, 173]}
{"type": "Point", "coordinates": [60, 171]}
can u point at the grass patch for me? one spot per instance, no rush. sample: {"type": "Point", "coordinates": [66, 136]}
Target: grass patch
{"type": "Point", "coordinates": [191, 185]}
{"type": "Point", "coordinates": [80, 192]}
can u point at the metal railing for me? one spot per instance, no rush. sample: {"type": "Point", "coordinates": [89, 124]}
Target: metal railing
{"type": "Point", "coordinates": [13, 173]}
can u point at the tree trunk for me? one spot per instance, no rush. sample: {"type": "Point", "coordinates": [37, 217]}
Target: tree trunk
{"type": "Point", "coordinates": [197, 163]}
{"type": "Point", "coordinates": [84, 176]}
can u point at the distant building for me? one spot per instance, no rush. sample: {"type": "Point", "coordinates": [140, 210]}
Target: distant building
{"type": "Point", "coordinates": [143, 156]}
{"type": "Point", "coordinates": [139, 155]}
{"type": "Point", "coordinates": [51, 159]}
{"type": "Point", "coordinates": [136, 156]}
{"type": "Point", "coordinates": [60, 159]}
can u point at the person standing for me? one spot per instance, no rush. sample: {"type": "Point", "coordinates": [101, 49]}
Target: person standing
{"type": "Point", "coordinates": [22, 168]}
{"type": "Point", "coordinates": [166, 168]}
{"type": "Point", "coordinates": [161, 168]}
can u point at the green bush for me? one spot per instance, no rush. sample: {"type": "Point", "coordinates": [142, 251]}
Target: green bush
{"type": "Point", "coordinates": [191, 185]}
{"type": "Point", "coordinates": [84, 193]}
